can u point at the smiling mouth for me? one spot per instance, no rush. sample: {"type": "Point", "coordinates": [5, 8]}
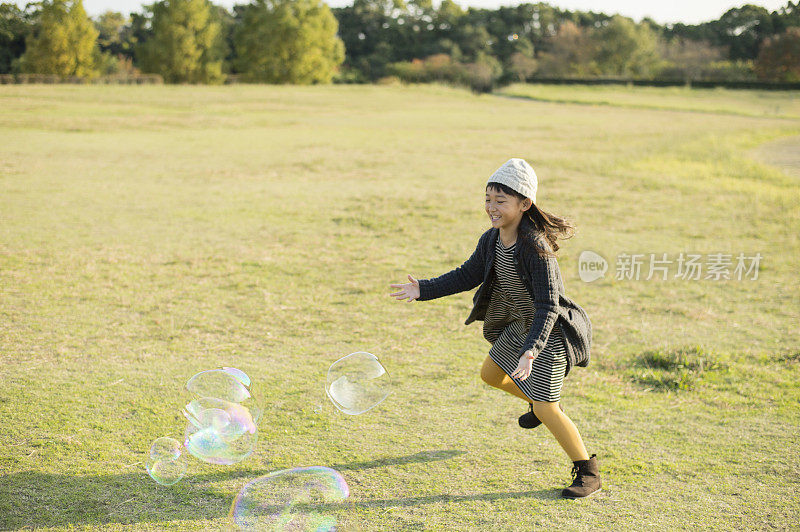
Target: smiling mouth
{"type": "Point", "coordinates": [494, 218]}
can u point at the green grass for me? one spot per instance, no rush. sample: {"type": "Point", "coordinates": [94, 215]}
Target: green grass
{"type": "Point", "coordinates": [680, 369]}
{"type": "Point", "coordinates": [755, 103]}
{"type": "Point", "coordinates": [147, 233]}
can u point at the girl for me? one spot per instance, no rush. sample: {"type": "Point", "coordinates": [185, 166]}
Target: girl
{"type": "Point", "coordinates": [537, 333]}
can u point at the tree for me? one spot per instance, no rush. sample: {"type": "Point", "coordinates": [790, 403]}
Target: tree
{"type": "Point", "coordinates": [444, 21]}
{"type": "Point", "coordinates": [473, 40]}
{"type": "Point", "coordinates": [522, 66]}
{"type": "Point", "coordinates": [185, 43]}
{"type": "Point", "coordinates": [571, 53]}
{"type": "Point", "coordinates": [779, 58]}
{"type": "Point", "coordinates": [14, 26]}
{"type": "Point", "coordinates": [787, 16]}
{"type": "Point", "coordinates": [115, 44]}
{"type": "Point", "coordinates": [288, 41]}
{"type": "Point", "coordinates": [569, 43]}
{"type": "Point", "coordinates": [63, 41]}
{"type": "Point", "coordinates": [228, 22]}
{"type": "Point", "coordinates": [743, 29]}
{"type": "Point", "coordinates": [114, 33]}
{"type": "Point", "coordinates": [687, 60]}
{"type": "Point", "coordinates": [448, 16]}
{"type": "Point", "coordinates": [626, 48]}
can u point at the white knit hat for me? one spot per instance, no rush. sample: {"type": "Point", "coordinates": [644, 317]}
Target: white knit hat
{"type": "Point", "coordinates": [517, 174]}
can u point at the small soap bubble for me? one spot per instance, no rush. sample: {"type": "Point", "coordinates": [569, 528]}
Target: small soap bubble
{"type": "Point", "coordinates": [165, 463]}
{"type": "Point", "coordinates": [357, 383]}
{"type": "Point", "coordinates": [223, 419]}
{"type": "Point", "coordinates": [303, 498]}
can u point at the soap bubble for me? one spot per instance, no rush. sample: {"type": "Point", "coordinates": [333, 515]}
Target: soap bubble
{"type": "Point", "coordinates": [240, 375]}
{"type": "Point", "coordinates": [223, 419]}
{"type": "Point", "coordinates": [165, 463]}
{"type": "Point", "coordinates": [229, 384]}
{"type": "Point", "coordinates": [219, 432]}
{"type": "Point", "coordinates": [357, 383]}
{"type": "Point", "coordinates": [302, 498]}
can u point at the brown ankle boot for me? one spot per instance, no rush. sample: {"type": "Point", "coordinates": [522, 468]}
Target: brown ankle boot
{"type": "Point", "coordinates": [586, 479]}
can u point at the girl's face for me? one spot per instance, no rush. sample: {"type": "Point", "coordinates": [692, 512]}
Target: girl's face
{"type": "Point", "coordinates": [504, 210]}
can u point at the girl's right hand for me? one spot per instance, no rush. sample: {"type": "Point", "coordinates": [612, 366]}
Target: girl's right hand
{"type": "Point", "coordinates": [407, 290]}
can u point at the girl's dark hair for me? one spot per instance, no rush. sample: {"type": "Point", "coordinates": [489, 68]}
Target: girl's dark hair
{"type": "Point", "coordinates": [537, 223]}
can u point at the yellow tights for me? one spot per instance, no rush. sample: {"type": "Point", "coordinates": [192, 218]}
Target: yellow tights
{"type": "Point", "coordinates": [556, 421]}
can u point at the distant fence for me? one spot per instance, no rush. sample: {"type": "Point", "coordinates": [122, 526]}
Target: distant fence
{"type": "Point", "coordinates": [765, 85]}
{"type": "Point", "coordinates": [149, 79]}
{"type": "Point", "coordinates": [142, 79]}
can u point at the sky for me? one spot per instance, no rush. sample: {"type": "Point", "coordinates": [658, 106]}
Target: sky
{"type": "Point", "coordinates": [662, 11]}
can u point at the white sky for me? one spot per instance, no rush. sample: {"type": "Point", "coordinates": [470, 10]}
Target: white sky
{"type": "Point", "coordinates": [662, 11]}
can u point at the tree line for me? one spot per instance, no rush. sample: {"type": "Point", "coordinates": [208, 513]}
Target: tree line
{"type": "Point", "coordinates": [306, 41]}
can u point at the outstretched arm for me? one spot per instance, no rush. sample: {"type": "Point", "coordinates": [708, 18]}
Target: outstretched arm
{"type": "Point", "coordinates": [465, 277]}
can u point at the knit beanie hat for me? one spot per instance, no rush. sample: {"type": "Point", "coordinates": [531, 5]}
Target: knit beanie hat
{"type": "Point", "coordinates": [517, 174]}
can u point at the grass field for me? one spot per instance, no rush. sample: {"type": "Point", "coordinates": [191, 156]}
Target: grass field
{"type": "Point", "coordinates": [147, 233]}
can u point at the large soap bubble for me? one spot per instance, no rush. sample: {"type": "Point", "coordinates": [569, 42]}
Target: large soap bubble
{"type": "Point", "coordinates": [223, 419]}
{"type": "Point", "coordinates": [165, 463]}
{"type": "Point", "coordinates": [303, 498]}
{"type": "Point", "coordinates": [357, 383]}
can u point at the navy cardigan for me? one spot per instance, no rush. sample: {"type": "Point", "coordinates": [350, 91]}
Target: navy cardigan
{"type": "Point", "coordinates": [540, 275]}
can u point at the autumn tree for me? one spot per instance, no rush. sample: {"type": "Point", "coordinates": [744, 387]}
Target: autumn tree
{"type": "Point", "coordinates": [571, 52]}
{"type": "Point", "coordinates": [522, 66]}
{"type": "Point", "coordinates": [688, 60]}
{"type": "Point", "coordinates": [779, 57]}
{"type": "Point", "coordinates": [63, 41]}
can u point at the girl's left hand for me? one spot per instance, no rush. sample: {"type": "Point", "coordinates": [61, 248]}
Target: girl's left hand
{"type": "Point", "coordinates": [524, 367]}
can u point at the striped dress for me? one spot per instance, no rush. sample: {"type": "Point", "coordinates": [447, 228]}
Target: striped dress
{"type": "Point", "coordinates": [508, 320]}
